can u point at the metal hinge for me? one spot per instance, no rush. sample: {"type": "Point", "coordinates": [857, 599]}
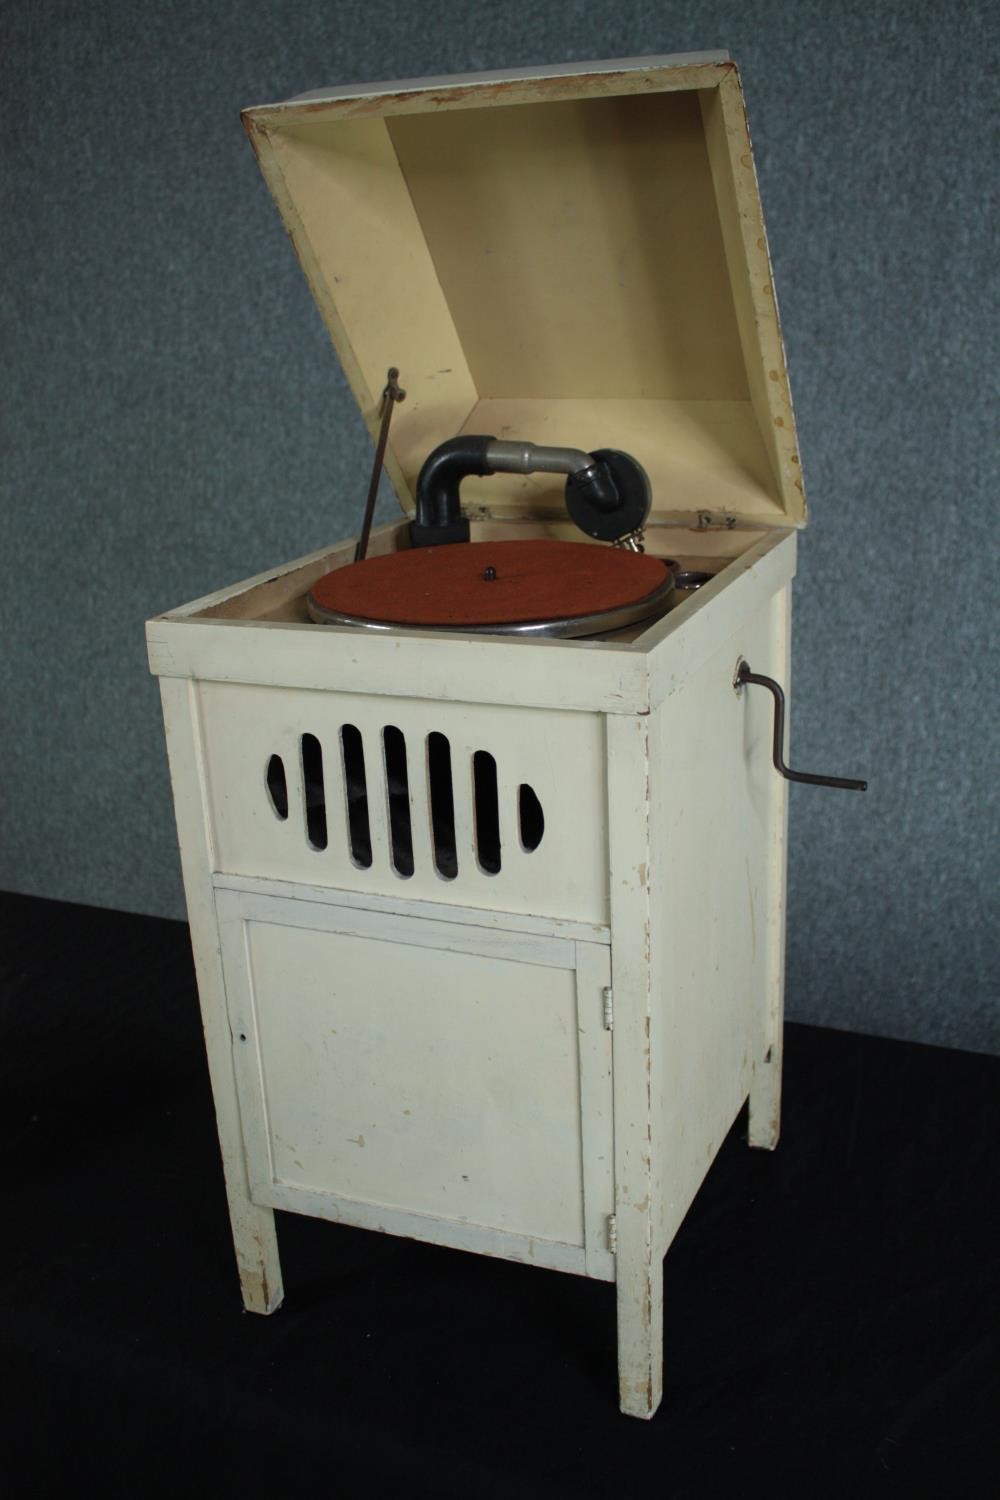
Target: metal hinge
{"type": "Point", "coordinates": [609, 1008]}
{"type": "Point", "coordinates": [613, 1233]}
{"type": "Point", "coordinates": [709, 520]}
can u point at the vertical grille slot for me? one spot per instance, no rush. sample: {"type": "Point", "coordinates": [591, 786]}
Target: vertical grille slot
{"type": "Point", "coordinates": [356, 792]}
{"type": "Point", "coordinates": [487, 811]}
{"type": "Point", "coordinates": [277, 786]}
{"type": "Point", "coordinates": [530, 818]}
{"type": "Point", "coordinates": [315, 791]}
{"type": "Point", "coordinates": [442, 804]}
{"type": "Point", "coordinates": [397, 787]}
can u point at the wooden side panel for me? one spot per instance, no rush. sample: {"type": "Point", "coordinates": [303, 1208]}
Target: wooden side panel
{"type": "Point", "coordinates": [560, 755]}
{"type": "Point", "coordinates": [353, 224]}
{"type": "Point", "coordinates": [717, 811]}
{"type": "Point", "coordinates": [538, 215]}
{"type": "Point", "coordinates": [745, 238]}
{"type": "Point", "coordinates": [679, 645]}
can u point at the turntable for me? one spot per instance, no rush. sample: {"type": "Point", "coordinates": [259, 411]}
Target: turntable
{"type": "Point", "coordinates": [527, 588]}
{"type": "Point", "coordinates": [483, 814]}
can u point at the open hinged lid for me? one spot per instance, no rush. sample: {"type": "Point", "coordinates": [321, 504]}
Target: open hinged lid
{"type": "Point", "coordinates": [571, 255]}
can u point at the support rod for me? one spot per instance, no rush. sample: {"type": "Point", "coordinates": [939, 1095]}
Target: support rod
{"type": "Point", "coordinates": [390, 396]}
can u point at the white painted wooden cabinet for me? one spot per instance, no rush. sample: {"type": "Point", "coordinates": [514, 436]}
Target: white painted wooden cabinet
{"type": "Point", "coordinates": [533, 1053]}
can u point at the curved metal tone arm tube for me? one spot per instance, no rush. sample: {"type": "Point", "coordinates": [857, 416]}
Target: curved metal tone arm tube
{"type": "Point", "coordinates": [744, 676]}
{"type": "Point", "coordinates": [439, 520]}
{"type": "Point", "coordinates": [438, 517]}
{"type": "Point", "coordinates": [592, 478]}
{"type": "Point", "coordinates": [443, 472]}
{"type": "Point", "coordinates": [531, 458]}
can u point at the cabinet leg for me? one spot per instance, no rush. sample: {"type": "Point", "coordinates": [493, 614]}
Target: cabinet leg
{"type": "Point", "coordinates": [765, 1099]}
{"type": "Point", "coordinates": [254, 1235]}
{"type": "Point", "coordinates": [640, 1333]}
{"type": "Point", "coordinates": [256, 1244]}
{"type": "Point", "coordinates": [765, 1087]}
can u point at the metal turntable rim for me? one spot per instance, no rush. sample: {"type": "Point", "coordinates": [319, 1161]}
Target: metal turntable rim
{"type": "Point", "coordinates": [528, 587]}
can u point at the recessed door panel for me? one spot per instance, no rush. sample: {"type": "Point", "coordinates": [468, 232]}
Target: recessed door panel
{"type": "Point", "coordinates": [393, 1064]}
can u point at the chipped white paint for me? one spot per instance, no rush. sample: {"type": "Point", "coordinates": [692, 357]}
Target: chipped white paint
{"type": "Point", "coordinates": [560, 755]}
{"type": "Point", "coordinates": [638, 1163]}
{"type": "Point", "coordinates": [716, 881]}
{"type": "Point", "coordinates": [434, 1057]}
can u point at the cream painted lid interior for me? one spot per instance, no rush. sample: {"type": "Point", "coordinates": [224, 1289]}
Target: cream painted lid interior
{"type": "Point", "coordinates": [571, 255]}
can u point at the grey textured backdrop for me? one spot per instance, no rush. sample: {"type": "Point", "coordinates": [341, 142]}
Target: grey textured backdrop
{"type": "Point", "coordinates": [174, 419]}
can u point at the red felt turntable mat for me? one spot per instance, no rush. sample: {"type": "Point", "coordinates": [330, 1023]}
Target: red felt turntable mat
{"type": "Point", "coordinates": [449, 586]}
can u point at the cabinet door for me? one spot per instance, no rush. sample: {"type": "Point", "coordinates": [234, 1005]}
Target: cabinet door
{"type": "Point", "coordinates": [423, 1077]}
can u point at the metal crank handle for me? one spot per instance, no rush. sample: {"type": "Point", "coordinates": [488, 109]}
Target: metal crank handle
{"type": "Point", "coordinates": [744, 676]}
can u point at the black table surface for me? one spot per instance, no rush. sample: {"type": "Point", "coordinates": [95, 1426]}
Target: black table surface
{"type": "Point", "coordinates": [831, 1309]}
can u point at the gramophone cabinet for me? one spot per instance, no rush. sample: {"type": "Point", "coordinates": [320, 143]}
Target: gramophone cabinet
{"type": "Point", "coordinates": [525, 1028]}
